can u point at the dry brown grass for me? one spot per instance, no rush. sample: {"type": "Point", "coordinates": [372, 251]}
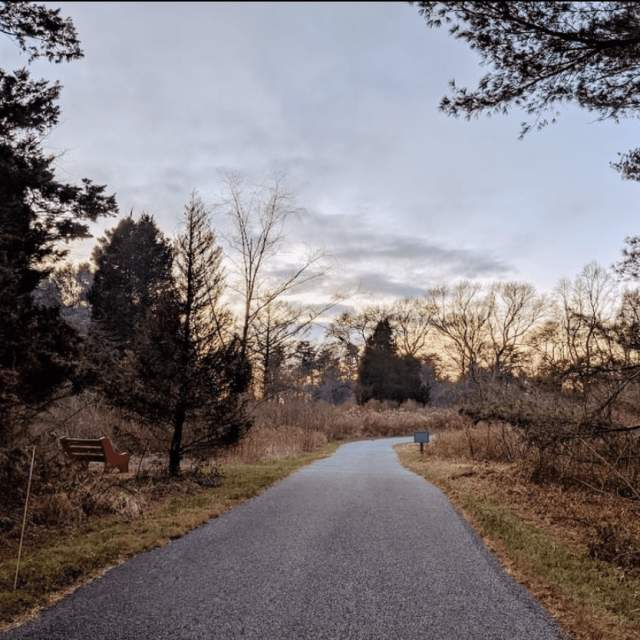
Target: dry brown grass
{"type": "Point", "coordinates": [282, 427]}
{"type": "Point", "coordinates": [299, 425]}
{"type": "Point", "coordinates": [602, 466]}
{"type": "Point", "coordinates": [64, 494]}
{"type": "Point", "coordinates": [88, 415]}
{"type": "Point", "coordinates": [130, 515]}
{"type": "Point", "coordinates": [350, 421]}
{"type": "Point", "coordinates": [271, 442]}
{"type": "Point", "coordinates": [587, 437]}
{"type": "Point", "coordinates": [574, 550]}
{"type": "Point", "coordinates": [482, 442]}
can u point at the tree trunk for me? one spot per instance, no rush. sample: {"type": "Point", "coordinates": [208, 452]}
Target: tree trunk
{"type": "Point", "coordinates": [175, 452]}
{"type": "Point", "coordinates": [245, 328]}
{"type": "Point", "coordinates": [266, 364]}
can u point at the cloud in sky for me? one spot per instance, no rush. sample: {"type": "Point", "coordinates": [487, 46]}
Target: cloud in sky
{"type": "Point", "coordinates": [343, 98]}
{"type": "Point", "coordinates": [365, 259]}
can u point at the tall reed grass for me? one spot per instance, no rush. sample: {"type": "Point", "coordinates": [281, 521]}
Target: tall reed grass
{"type": "Point", "coordinates": [294, 425]}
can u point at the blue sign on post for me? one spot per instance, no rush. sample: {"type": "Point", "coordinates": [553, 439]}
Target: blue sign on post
{"type": "Point", "coordinates": [421, 438]}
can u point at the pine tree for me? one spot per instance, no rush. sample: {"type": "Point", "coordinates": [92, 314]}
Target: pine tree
{"type": "Point", "coordinates": [185, 373]}
{"type": "Point", "coordinates": [133, 268]}
{"type": "Point", "coordinates": [377, 364]}
{"type": "Point", "coordinates": [38, 213]}
{"type": "Point", "coordinates": [384, 375]}
{"type": "Point", "coordinates": [540, 56]}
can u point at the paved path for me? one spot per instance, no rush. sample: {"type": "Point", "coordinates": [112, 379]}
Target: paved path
{"type": "Point", "coordinates": [353, 546]}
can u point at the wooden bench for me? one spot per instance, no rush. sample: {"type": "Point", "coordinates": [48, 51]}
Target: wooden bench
{"type": "Point", "coordinates": [95, 450]}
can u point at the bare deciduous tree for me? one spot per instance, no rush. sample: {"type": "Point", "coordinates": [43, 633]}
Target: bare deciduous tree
{"type": "Point", "coordinates": [515, 310]}
{"type": "Point", "coordinates": [585, 307]}
{"type": "Point", "coordinates": [351, 330]}
{"type": "Point", "coordinates": [461, 315]}
{"type": "Point", "coordinates": [258, 217]}
{"type": "Point", "coordinates": [628, 326]}
{"type": "Point", "coordinates": [355, 327]}
{"type": "Point", "coordinates": [411, 319]}
{"type": "Point", "coordinates": [275, 330]}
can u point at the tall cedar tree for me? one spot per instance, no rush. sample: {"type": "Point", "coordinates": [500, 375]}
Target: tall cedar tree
{"type": "Point", "coordinates": [182, 374]}
{"type": "Point", "coordinates": [542, 55]}
{"type": "Point", "coordinates": [133, 270]}
{"type": "Point", "coordinates": [37, 214]}
{"type": "Point", "coordinates": [384, 375]}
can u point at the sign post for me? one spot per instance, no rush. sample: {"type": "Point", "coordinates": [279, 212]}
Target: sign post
{"type": "Point", "coordinates": [422, 438]}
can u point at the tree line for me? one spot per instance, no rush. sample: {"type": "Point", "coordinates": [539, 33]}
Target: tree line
{"type": "Point", "coordinates": [507, 330]}
{"type": "Point", "coordinates": [150, 325]}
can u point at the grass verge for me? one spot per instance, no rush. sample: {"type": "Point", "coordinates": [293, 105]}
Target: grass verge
{"type": "Point", "coordinates": [53, 567]}
{"type": "Point", "coordinates": [591, 599]}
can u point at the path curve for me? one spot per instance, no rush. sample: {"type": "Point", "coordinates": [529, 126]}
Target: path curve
{"type": "Point", "coordinates": [351, 547]}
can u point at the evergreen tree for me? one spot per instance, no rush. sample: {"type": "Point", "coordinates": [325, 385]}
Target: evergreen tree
{"type": "Point", "coordinates": [182, 373]}
{"type": "Point", "coordinates": [68, 287]}
{"type": "Point", "coordinates": [411, 381]}
{"type": "Point", "coordinates": [304, 357]}
{"type": "Point", "coordinates": [544, 55]}
{"type": "Point", "coordinates": [384, 375]}
{"type": "Point", "coordinates": [38, 213]}
{"type": "Point", "coordinates": [377, 364]}
{"type": "Point", "coordinates": [133, 268]}
{"type": "Point", "coordinates": [331, 386]}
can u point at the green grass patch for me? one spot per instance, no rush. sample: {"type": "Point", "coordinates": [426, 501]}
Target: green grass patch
{"type": "Point", "coordinates": [590, 598]}
{"type": "Point", "coordinates": [70, 557]}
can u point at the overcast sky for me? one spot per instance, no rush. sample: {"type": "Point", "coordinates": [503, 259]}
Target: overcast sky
{"type": "Point", "coordinates": [344, 99]}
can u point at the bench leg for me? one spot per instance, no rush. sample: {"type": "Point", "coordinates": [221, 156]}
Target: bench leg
{"type": "Point", "coordinates": [123, 463]}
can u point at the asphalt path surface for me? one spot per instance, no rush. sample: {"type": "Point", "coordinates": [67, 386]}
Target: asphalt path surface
{"type": "Point", "coordinates": [352, 546]}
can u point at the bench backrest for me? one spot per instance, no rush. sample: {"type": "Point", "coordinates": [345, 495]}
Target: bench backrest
{"type": "Point", "coordinates": [85, 449]}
